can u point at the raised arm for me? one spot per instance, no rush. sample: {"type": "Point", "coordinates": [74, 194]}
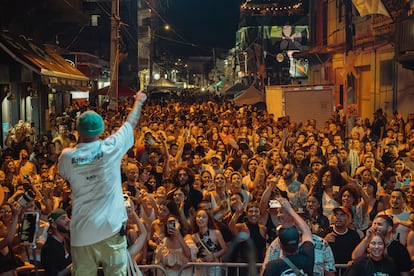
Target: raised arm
{"type": "Point", "coordinates": [300, 223]}
{"type": "Point", "coordinates": [135, 113]}
{"type": "Point", "coordinates": [361, 248]}
{"type": "Point", "coordinates": [7, 239]}
{"type": "Point", "coordinates": [142, 238]}
{"type": "Point", "coordinates": [264, 201]}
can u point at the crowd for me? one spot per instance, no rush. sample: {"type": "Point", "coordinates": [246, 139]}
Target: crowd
{"type": "Point", "coordinates": [208, 182]}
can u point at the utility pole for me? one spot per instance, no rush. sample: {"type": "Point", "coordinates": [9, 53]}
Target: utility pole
{"type": "Point", "coordinates": [350, 78]}
{"type": "Point", "coordinates": [114, 55]}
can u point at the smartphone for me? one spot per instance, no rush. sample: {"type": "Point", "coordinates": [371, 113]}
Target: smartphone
{"type": "Point", "coordinates": [29, 228]}
{"type": "Point", "coordinates": [274, 203]}
{"type": "Point", "coordinates": [171, 224]}
{"type": "Point", "coordinates": [127, 201]}
{"type": "Point", "coordinates": [406, 181]}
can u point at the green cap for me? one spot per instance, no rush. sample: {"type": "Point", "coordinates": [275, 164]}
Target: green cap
{"type": "Point", "coordinates": [55, 214]}
{"type": "Point", "coordinates": [90, 124]}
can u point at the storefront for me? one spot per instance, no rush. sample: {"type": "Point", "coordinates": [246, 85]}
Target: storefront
{"type": "Point", "coordinates": [35, 82]}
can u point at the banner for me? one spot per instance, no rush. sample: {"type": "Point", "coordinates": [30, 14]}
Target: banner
{"type": "Point", "coordinates": [367, 7]}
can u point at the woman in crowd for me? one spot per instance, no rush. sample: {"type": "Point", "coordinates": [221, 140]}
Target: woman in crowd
{"type": "Point", "coordinates": [335, 161]}
{"type": "Point", "coordinates": [375, 262]}
{"type": "Point", "coordinates": [218, 197]}
{"type": "Point", "coordinates": [399, 167]}
{"type": "Point", "coordinates": [165, 209]}
{"type": "Point", "coordinates": [210, 243]}
{"type": "Point", "coordinates": [368, 162]}
{"type": "Point", "coordinates": [324, 145]}
{"type": "Point", "coordinates": [207, 181]}
{"type": "Point", "coordinates": [147, 211]}
{"type": "Point", "coordinates": [355, 199]}
{"type": "Point", "coordinates": [11, 173]}
{"type": "Point", "coordinates": [136, 235]}
{"type": "Point", "coordinates": [9, 215]}
{"type": "Point", "coordinates": [402, 144]}
{"type": "Point", "coordinates": [375, 206]}
{"type": "Point", "coordinates": [316, 221]}
{"type": "Point", "coordinates": [198, 184]}
{"type": "Point", "coordinates": [175, 249]}
{"type": "Point", "coordinates": [249, 181]}
{"type": "Point", "coordinates": [255, 229]}
{"type": "Point", "coordinates": [327, 186]}
{"type": "Point", "coordinates": [184, 212]}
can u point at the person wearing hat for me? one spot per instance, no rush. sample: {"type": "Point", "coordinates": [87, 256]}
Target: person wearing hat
{"type": "Point", "coordinates": [311, 178]}
{"type": "Point", "coordinates": [289, 239]}
{"type": "Point", "coordinates": [98, 213]}
{"type": "Point", "coordinates": [391, 154]}
{"type": "Point", "coordinates": [340, 237]}
{"type": "Point", "coordinates": [324, 262]}
{"type": "Point", "coordinates": [216, 162]}
{"type": "Point", "coordinates": [55, 256]}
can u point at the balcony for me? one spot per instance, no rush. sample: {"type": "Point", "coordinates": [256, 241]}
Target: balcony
{"type": "Point", "coordinates": [404, 46]}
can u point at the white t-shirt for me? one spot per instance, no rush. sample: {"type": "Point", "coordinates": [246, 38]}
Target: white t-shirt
{"type": "Point", "coordinates": [93, 171]}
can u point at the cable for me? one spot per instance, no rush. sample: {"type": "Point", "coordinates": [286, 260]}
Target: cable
{"type": "Point", "coordinates": [75, 38]}
{"type": "Point", "coordinates": [165, 22]}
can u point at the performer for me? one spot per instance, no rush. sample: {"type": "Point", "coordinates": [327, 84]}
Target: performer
{"type": "Point", "coordinates": [98, 216]}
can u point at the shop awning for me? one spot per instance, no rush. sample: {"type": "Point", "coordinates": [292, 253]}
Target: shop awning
{"type": "Point", "coordinates": [123, 91]}
{"type": "Point", "coordinates": [43, 60]}
{"type": "Point", "coordinates": [236, 88]}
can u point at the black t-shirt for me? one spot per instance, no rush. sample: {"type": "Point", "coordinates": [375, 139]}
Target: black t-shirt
{"type": "Point", "coordinates": [303, 261]}
{"type": "Point", "coordinates": [344, 245]}
{"type": "Point", "coordinates": [53, 256]}
{"type": "Point", "coordinates": [400, 256]}
{"type": "Point", "coordinates": [366, 266]}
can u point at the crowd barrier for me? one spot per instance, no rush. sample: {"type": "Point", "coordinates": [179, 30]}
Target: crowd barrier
{"type": "Point", "coordinates": [145, 269]}
{"type": "Point", "coordinates": [153, 270]}
{"type": "Point", "coordinates": [160, 270]}
{"type": "Point", "coordinates": [340, 268]}
{"type": "Point", "coordinates": [223, 266]}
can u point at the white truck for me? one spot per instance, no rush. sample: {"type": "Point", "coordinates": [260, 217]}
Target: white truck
{"type": "Point", "coordinates": [301, 102]}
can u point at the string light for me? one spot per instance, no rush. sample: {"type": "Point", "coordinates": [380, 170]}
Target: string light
{"type": "Point", "coordinates": [273, 8]}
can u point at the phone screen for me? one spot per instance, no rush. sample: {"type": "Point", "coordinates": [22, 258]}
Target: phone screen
{"type": "Point", "coordinates": [171, 224]}
{"type": "Point", "coordinates": [28, 229]}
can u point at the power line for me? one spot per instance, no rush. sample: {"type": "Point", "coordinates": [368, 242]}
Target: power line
{"type": "Point", "coordinates": [165, 22]}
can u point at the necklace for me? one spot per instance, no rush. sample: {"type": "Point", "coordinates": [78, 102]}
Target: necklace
{"type": "Point", "coordinates": [343, 233]}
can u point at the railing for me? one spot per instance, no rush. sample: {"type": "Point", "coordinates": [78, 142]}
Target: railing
{"type": "Point", "coordinates": [340, 268]}
{"type": "Point", "coordinates": [155, 268]}
{"type": "Point", "coordinates": [223, 266]}
{"type": "Point", "coordinates": [160, 270]}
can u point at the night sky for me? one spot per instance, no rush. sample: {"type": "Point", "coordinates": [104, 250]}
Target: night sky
{"type": "Point", "coordinates": [205, 23]}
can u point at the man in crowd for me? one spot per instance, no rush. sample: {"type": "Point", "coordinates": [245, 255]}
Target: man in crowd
{"type": "Point", "coordinates": [98, 212]}
{"type": "Point", "coordinates": [384, 224]}
{"type": "Point", "coordinates": [324, 263]}
{"type": "Point", "coordinates": [303, 259]}
{"type": "Point", "coordinates": [296, 191]}
{"type": "Point", "coordinates": [397, 212]}
{"type": "Point", "coordinates": [340, 237]}
{"type": "Point", "coordinates": [131, 184]}
{"type": "Point", "coordinates": [56, 257]}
